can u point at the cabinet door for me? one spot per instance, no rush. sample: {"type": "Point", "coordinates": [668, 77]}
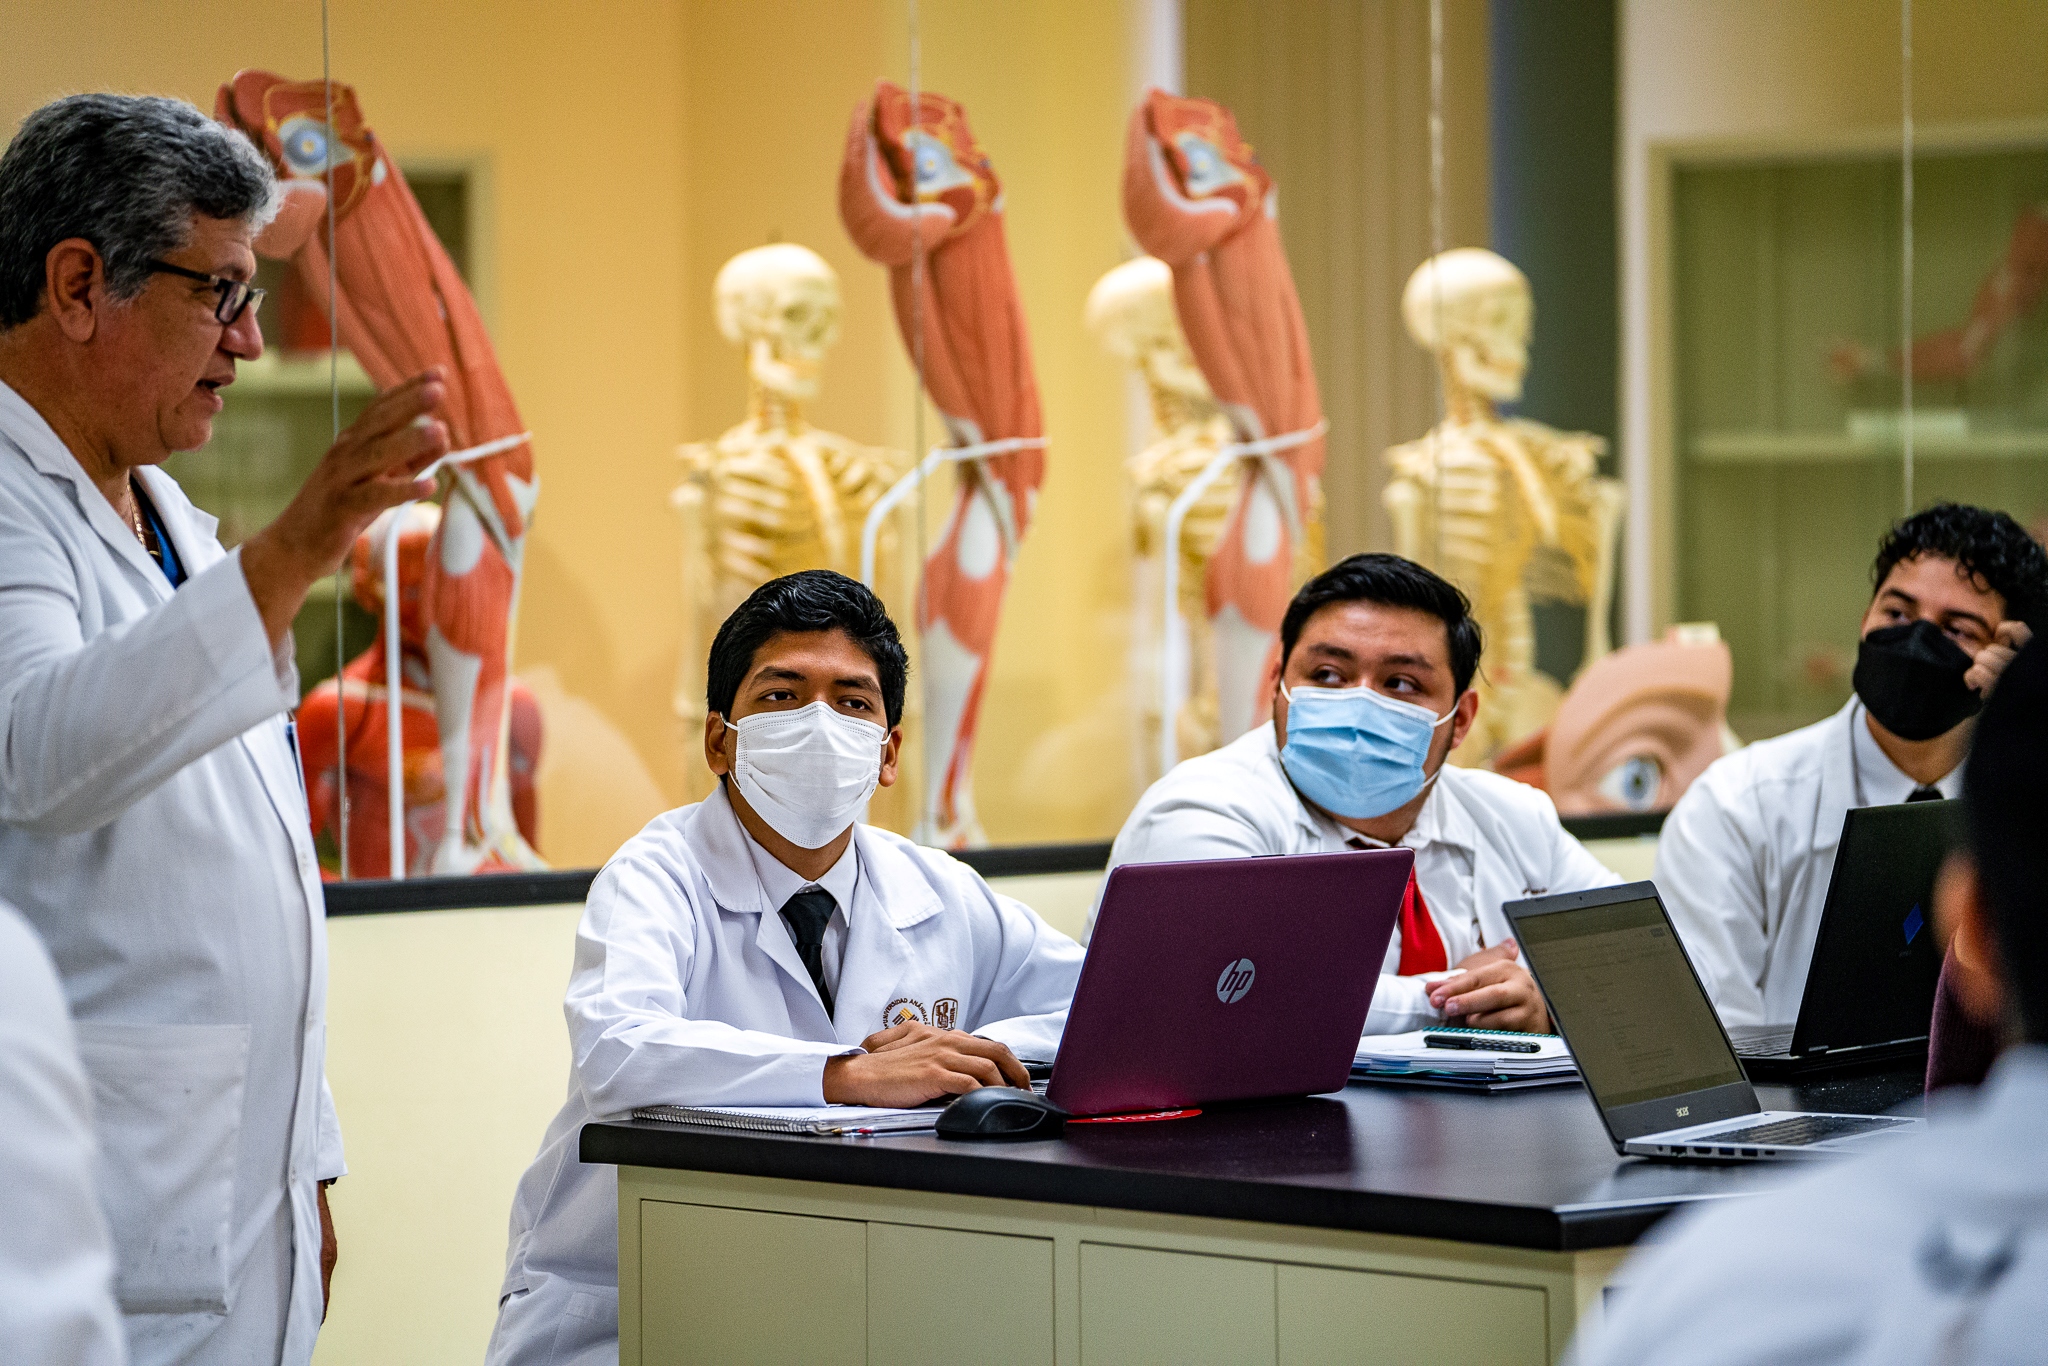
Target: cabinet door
{"type": "Point", "coordinates": [939, 1294]}
{"type": "Point", "coordinates": [1140, 1305]}
{"type": "Point", "coordinates": [728, 1285]}
{"type": "Point", "coordinates": [1327, 1315]}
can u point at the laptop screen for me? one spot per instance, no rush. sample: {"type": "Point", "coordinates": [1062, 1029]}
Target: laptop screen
{"type": "Point", "coordinates": [1639, 1024]}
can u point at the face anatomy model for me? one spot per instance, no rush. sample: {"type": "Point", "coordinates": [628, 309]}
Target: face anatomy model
{"type": "Point", "coordinates": [774, 494]}
{"type": "Point", "coordinates": [1131, 312]}
{"type": "Point", "coordinates": [1509, 510]}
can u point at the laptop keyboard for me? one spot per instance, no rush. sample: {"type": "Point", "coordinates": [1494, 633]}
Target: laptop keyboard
{"type": "Point", "coordinates": [1762, 1041]}
{"type": "Point", "coordinates": [1801, 1130]}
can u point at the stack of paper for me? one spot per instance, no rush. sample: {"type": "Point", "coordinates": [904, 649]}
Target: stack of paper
{"type": "Point", "coordinates": [798, 1119]}
{"type": "Point", "coordinates": [1405, 1060]}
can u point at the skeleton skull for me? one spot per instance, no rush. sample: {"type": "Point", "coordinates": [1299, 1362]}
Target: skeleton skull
{"type": "Point", "coordinates": [781, 302]}
{"type": "Point", "coordinates": [1473, 310]}
{"type": "Point", "coordinates": [1131, 312]}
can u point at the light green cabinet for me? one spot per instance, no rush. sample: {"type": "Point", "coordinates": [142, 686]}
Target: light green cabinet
{"type": "Point", "coordinates": [729, 1285]}
{"type": "Point", "coordinates": [1141, 1306]}
{"type": "Point", "coordinates": [1366, 1318]}
{"type": "Point", "coordinates": [938, 1294]}
{"type": "Point", "coordinates": [719, 1268]}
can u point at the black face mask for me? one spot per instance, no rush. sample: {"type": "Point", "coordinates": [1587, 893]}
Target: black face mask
{"type": "Point", "coordinates": [1911, 678]}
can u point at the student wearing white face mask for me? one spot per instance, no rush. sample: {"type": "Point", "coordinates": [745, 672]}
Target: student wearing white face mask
{"type": "Point", "coordinates": [1376, 664]}
{"type": "Point", "coordinates": [763, 947]}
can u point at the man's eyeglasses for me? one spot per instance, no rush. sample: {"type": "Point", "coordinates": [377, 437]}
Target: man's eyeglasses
{"type": "Point", "coordinates": [236, 296]}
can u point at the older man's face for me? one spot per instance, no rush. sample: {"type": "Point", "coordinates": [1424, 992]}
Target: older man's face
{"type": "Point", "coordinates": [169, 355]}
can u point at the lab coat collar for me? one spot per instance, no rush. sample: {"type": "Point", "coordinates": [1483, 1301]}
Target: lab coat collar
{"type": "Point", "coordinates": [718, 841]}
{"type": "Point", "coordinates": [46, 451]}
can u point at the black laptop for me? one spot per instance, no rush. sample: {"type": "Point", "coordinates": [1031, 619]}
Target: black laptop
{"type": "Point", "coordinates": [1870, 986]}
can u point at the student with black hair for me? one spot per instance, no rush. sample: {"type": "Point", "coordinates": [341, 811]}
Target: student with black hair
{"type": "Point", "coordinates": [763, 947]}
{"type": "Point", "coordinates": [1933, 1247]}
{"type": "Point", "coordinates": [1745, 857]}
{"type": "Point", "coordinates": [1374, 691]}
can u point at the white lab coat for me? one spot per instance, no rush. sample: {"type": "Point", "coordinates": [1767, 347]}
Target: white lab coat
{"type": "Point", "coordinates": [153, 828]}
{"type": "Point", "coordinates": [1745, 858]}
{"type": "Point", "coordinates": [1932, 1248]}
{"type": "Point", "coordinates": [1481, 841]}
{"type": "Point", "coordinates": [56, 1260]}
{"type": "Point", "coordinates": [688, 990]}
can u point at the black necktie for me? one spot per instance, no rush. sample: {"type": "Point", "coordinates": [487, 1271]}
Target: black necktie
{"type": "Point", "coordinates": [808, 912]}
{"type": "Point", "coordinates": [1925, 794]}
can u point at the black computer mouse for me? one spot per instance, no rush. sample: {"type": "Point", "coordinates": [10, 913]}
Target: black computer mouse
{"type": "Point", "coordinates": [1001, 1112]}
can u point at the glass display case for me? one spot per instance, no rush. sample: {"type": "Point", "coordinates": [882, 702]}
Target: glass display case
{"type": "Point", "coordinates": [1788, 389]}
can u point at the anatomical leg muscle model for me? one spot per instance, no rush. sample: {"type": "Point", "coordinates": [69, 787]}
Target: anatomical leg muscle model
{"type": "Point", "coordinates": [401, 306]}
{"type": "Point", "coordinates": [919, 196]}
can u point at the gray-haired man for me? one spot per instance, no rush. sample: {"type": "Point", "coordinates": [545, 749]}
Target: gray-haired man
{"type": "Point", "coordinates": [152, 825]}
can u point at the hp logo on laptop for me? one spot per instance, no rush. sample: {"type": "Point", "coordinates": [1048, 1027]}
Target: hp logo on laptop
{"type": "Point", "coordinates": [1235, 981]}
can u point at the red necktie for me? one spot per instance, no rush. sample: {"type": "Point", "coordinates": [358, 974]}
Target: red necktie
{"type": "Point", "coordinates": [1422, 948]}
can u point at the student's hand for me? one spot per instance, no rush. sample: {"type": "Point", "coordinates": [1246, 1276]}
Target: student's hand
{"type": "Point", "coordinates": [1506, 951]}
{"type": "Point", "coordinates": [1992, 659]}
{"type": "Point", "coordinates": [914, 1063]}
{"type": "Point", "coordinates": [1496, 995]}
{"type": "Point", "coordinates": [330, 1251]}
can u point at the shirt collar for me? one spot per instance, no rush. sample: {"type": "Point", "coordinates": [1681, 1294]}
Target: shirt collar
{"type": "Point", "coordinates": [779, 883]}
{"type": "Point", "coordinates": [1879, 781]}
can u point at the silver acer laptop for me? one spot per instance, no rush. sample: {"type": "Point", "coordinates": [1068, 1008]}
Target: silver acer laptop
{"type": "Point", "coordinates": [1652, 1051]}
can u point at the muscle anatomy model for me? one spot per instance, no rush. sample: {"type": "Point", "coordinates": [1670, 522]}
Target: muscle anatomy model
{"type": "Point", "coordinates": [774, 494]}
{"type": "Point", "coordinates": [2013, 289]}
{"type": "Point", "coordinates": [918, 195]}
{"type": "Point", "coordinates": [400, 306]}
{"type": "Point", "coordinates": [1130, 311]}
{"type": "Point", "coordinates": [362, 690]}
{"type": "Point", "coordinates": [1508, 510]}
{"type": "Point", "coordinates": [1196, 198]}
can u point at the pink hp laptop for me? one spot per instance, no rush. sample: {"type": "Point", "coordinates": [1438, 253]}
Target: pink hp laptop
{"type": "Point", "coordinates": [1233, 979]}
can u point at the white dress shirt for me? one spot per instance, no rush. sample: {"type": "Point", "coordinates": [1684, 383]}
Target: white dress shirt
{"type": "Point", "coordinates": [56, 1260]}
{"type": "Point", "coordinates": [1745, 858]}
{"type": "Point", "coordinates": [1930, 1248]}
{"type": "Point", "coordinates": [779, 883]}
{"type": "Point", "coordinates": [1480, 841]}
{"type": "Point", "coordinates": [688, 990]}
{"type": "Point", "coordinates": [153, 829]}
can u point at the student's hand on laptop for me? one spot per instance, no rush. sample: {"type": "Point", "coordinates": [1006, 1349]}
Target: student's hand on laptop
{"type": "Point", "coordinates": [1496, 995]}
{"type": "Point", "coordinates": [913, 1063]}
{"type": "Point", "coordinates": [1506, 951]}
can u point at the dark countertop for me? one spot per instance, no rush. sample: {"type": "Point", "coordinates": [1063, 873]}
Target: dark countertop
{"type": "Point", "coordinates": [1530, 1169]}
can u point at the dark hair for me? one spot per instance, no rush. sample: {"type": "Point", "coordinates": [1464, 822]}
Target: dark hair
{"type": "Point", "coordinates": [126, 173]}
{"type": "Point", "coordinates": [812, 600]}
{"type": "Point", "coordinates": [2005, 795]}
{"type": "Point", "coordinates": [1392, 582]}
{"type": "Point", "coordinates": [1986, 544]}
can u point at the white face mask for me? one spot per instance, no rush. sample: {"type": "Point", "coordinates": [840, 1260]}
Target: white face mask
{"type": "Point", "coordinates": [809, 771]}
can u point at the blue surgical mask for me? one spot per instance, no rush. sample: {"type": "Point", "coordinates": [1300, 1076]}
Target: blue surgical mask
{"type": "Point", "coordinates": [1356, 752]}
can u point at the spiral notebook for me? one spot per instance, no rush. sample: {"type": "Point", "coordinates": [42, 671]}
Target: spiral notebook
{"type": "Point", "coordinates": [798, 1119]}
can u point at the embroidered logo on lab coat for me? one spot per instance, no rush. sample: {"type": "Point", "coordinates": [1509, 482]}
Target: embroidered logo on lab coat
{"type": "Point", "coordinates": [945, 1012]}
{"type": "Point", "coordinates": [903, 1010]}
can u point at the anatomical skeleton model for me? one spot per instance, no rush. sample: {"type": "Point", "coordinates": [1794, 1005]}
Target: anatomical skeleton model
{"type": "Point", "coordinates": [1130, 311]}
{"type": "Point", "coordinates": [400, 306]}
{"type": "Point", "coordinates": [774, 494]}
{"type": "Point", "coordinates": [1509, 510]}
{"type": "Point", "coordinates": [918, 195]}
{"type": "Point", "coordinates": [361, 689]}
{"type": "Point", "coordinates": [1196, 197]}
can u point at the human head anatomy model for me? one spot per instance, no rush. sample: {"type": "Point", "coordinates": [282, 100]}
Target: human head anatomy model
{"type": "Point", "coordinates": [1472, 309]}
{"type": "Point", "coordinates": [781, 303]}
